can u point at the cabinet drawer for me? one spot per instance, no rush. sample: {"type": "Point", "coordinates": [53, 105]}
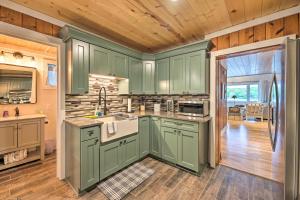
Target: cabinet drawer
{"type": "Point", "coordinates": [90, 133]}
{"type": "Point", "coordinates": [188, 126]}
{"type": "Point", "coordinates": [169, 122]}
{"type": "Point", "coordinates": [179, 124]}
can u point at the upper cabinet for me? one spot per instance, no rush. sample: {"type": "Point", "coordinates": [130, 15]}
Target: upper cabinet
{"type": "Point", "coordinates": [135, 76]}
{"type": "Point", "coordinates": [108, 63]}
{"type": "Point", "coordinates": [148, 77]}
{"type": "Point", "coordinates": [78, 67]}
{"type": "Point", "coordinates": [177, 74]}
{"type": "Point", "coordinates": [119, 65]}
{"type": "Point", "coordinates": [162, 76]}
{"type": "Point", "coordinates": [197, 75]}
{"type": "Point", "coordinates": [100, 60]}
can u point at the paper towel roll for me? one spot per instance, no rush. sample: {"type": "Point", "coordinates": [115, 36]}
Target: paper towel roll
{"type": "Point", "coordinates": [129, 105]}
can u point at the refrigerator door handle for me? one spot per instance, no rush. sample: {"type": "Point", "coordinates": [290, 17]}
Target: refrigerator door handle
{"type": "Point", "coordinates": [271, 113]}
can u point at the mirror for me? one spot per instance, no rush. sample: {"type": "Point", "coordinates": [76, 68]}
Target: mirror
{"type": "Point", "coordinates": [17, 84]}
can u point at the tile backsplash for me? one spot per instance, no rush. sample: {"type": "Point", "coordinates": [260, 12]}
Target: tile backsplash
{"type": "Point", "coordinates": [81, 105]}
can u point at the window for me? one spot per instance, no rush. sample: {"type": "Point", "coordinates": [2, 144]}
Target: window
{"type": "Point", "coordinates": [52, 80]}
{"type": "Point", "coordinates": [242, 92]}
{"type": "Point", "coordinates": [239, 91]}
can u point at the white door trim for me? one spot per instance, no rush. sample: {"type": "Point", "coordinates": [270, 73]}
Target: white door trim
{"type": "Point", "coordinates": [214, 55]}
{"type": "Point", "coordinates": [15, 31]}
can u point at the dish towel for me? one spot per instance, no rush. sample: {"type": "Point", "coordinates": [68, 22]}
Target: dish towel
{"type": "Point", "coordinates": [115, 127]}
{"type": "Point", "coordinates": [110, 128]}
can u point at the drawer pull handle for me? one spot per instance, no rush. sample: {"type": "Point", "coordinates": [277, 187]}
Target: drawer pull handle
{"type": "Point", "coordinates": [120, 143]}
{"type": "Point", "coordinates": [124, 141]}
{"type": "Point", "coordinates": [90, 133]}
{"type": "Point", "coordinates": [96, 141]}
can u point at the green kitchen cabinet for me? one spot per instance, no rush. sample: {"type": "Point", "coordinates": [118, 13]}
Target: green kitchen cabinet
{"type": "Point", "coordinates": [110, 158]}
{"type": "Point", "coordinates": [196, 73]}
{"type": "Point", "coordinates": [149, 77]}
{"type": "Point", "coordinates": [135, 76]}
{"type": "Point", "coordinates": [162, 76]}
{"type": "Point", "coordinates": [177, 75]}
{"type": "Point", "coordinates": [89, 163]}
{"type": "Point", "coordinates": [188, 149]}
{"type": "Point", "coordinates": [82, 156]}
{"type": "Point", "coordinates": [100, 60]}
{"type": "Point", "coordinates": [144, 134]}
{"type": "Point", "coordinates": [119, 65]}
{"type": "Point", "coordinates": [169, 144]}
{"type": "Point", "coordinates": [130, 148]}
{"type": "Point", "coordinates": [118, 154]}
{"type": "Point", "coordinates": [77, 67]}
{"type": "Point", "coordinates": [155, 137]}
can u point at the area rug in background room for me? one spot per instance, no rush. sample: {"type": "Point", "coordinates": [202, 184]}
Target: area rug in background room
{"type": "Point", "coordinates": [119, 185]}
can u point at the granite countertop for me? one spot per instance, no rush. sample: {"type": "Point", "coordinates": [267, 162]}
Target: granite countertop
{"type": "Point", "coordinates": [173, 115]}
{"type": "Point", "coordinates": [82, 122]}
{"type": "Point", "coordinates": [22, 117]}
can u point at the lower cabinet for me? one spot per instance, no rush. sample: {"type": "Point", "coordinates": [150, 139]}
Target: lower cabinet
{"type": "Point", "coordinates": [155, 137]}
{"type": "Point", "coordinates": [117, 155]}
{"type": "Point", "coordinates": [89, 156]}
{"type": "Point", "coordinates": [188, 150]}
{"type": "Point", "coordinates": [169, 144]}
{"type": "Point", "coordinates": [82, 156]}
{"type": "Point", "coordinates": [144, 136]}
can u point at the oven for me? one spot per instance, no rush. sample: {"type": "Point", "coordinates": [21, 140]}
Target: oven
{"type": "Point", "coordinates": [194, 108]}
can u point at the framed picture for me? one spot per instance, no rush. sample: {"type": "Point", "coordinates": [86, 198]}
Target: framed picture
{"type": "Point", "coordinates": [50, 74]}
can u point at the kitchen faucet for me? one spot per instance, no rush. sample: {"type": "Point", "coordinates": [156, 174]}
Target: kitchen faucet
{"type": "Point", "coordinates": [100, 98]}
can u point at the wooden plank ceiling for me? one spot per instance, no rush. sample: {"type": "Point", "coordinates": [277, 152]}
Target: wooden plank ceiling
{"type": "Point", "coordinates": [261, 62]}
{"type": "Point", "coordinates": [154, 25]}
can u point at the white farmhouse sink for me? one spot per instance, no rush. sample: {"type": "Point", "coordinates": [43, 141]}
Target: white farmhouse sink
{"type": "Point", "coordinates": [125, 126]}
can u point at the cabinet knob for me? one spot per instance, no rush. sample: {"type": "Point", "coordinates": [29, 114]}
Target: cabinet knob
{"type": "Point", "coordinates": [90, 133]}
{"type": "Point", "coordinates": [96, 141]}
{"type": "Point", "coordinates": [124, 141]}
{"type": "Point", "coordinates": [120, 143]}
{"type": "Point", "coordinates": [175, 131]}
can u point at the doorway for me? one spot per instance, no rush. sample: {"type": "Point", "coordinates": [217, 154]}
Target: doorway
{"type": "Point", "coordinates": [32, 96]}
{"type": "Point", "coordinates": [252, 137]}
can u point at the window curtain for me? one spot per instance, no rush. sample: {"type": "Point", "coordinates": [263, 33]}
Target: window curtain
{"type": "Point", "coordinates": [264, 86]}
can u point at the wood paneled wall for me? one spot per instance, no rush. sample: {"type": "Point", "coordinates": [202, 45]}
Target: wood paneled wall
{"type": "Point", "coordinates": [20, 19]}
{"type": "Point", "coordinates": [277, 28]}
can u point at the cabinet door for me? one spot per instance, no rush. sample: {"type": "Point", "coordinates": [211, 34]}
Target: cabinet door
{"type": "Point", "coordinates": [155, 137]}
{"type": "Point", "coordinates": [169, 144]}
{"type": "Point", "coordinates": [8, 136]}
{"type": "Point", "coordinates": [119, 63]}
{"type": "Point", "coordinates": [100, 60]}
{"type": "Point", "coordinates": [196, 72]}
{"type": "Point", "coordinates": [162, 76]}
{"type": "Point", "coordinates": [110, 159]}
{"type": "Point", "coordinates": [130, 148]}
{"type": "Point", "coordinates": [89, 169]}
{"type": "Point", "coordinates": [135, 76]}
{"type": "Point", "coordinates": [188, 149]}
{"type": "Point", "coordinates": [144, 130]}
{"type": "Point", "coordinates": [177, 74]}
{"type": "Point", "coordinates": [148, 77]}
{"type": "Point", "coordinates": [80, 67]}
{"type": "Point", "coordinates": [29, 133]}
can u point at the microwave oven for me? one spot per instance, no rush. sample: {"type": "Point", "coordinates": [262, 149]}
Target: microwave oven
{"type": "Point", "coordinates": [194, 108]}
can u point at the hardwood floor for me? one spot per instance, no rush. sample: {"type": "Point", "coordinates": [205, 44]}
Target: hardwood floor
{"type": "Point", "coordinates": [39, 182]}
{"type": "Point", "coordinates": [246, 146]}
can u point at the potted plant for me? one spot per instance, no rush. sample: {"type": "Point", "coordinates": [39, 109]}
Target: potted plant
{"type": "Point", "coordinates": [234, 97]}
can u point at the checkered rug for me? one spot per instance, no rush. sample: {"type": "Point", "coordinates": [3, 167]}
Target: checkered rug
{"type": "Point", "coordinates": [116, 187]}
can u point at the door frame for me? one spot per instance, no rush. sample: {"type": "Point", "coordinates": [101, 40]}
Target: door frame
{"type": "Point", "coordinates": [26, 34]}
{"type": "Point", "coordinates": [213, 81]}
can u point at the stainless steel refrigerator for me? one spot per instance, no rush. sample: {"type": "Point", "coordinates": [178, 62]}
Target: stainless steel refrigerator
{"type": "Point", "coordinates": [292, 91]}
